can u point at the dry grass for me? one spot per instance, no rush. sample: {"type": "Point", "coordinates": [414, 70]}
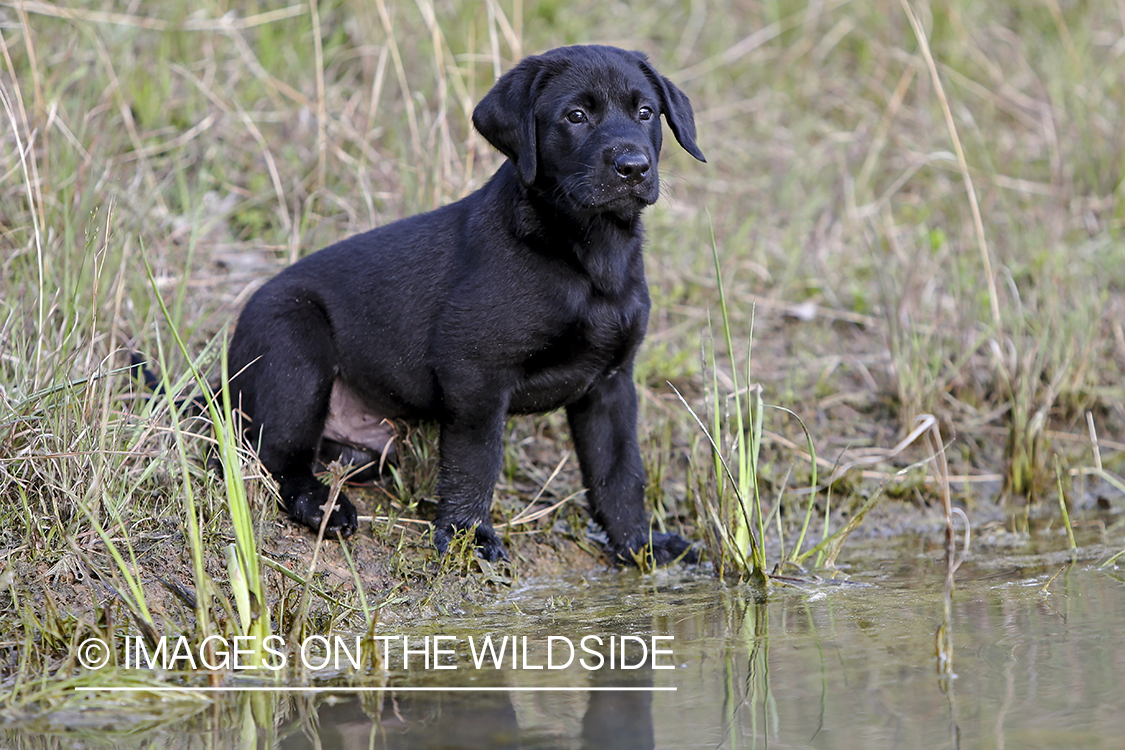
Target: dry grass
{"type": "Point", "coordinates": [923, 217]}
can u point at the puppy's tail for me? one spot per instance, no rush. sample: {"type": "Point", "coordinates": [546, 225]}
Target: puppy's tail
{"type": "Point", "coordinates": [139, 368]}
{"type": "Point", "coordinates": [194, 408]}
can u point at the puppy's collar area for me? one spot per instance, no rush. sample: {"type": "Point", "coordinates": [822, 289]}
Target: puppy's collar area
{"type": "Point", "coordinates": [540, 218]}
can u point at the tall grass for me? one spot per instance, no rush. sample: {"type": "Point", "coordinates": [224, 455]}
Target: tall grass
{"type": "Point", "coordinates": [916, 207]}
{"type": "Point", "coordinates": [730, 498]}
{"type": "Point", "coordinates": [242, 557]}
{"type": "Point", "coordinates": [735, 440]}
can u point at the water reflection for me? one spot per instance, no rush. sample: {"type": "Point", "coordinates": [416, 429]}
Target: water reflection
{"type": "Point", "coordinates": [1038, 661]}
{"type": "Point", "coordinates": [507, 720]}
{"type": "Point", "coordinates": [827, 668]}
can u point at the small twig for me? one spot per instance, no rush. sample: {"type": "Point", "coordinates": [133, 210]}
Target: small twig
{"type": "Point", "coordinates": [521, 519]}
{"type": "Point", "coordinates": [228, 21]}
{"type": "Point", "coordinates": [925, 422]}
{"type": "Point", "coordinates": [1094, 441]}
{"type": "Point", "coordinates": [519, 516]}
{"type": "Point", "coordinates": [978, 222]}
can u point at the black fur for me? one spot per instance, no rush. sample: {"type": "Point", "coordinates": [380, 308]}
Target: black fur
{"type": "Point", "coordinates": [526, 296]}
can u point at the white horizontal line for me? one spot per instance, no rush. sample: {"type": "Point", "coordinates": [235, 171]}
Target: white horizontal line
{"type": "Point", "coordinates": [267, 689]}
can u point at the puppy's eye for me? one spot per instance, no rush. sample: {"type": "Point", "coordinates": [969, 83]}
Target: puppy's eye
{"type": "Point", "coordinates": [576, 116]}
{"type": "Point", "coordinates": [644, 113]}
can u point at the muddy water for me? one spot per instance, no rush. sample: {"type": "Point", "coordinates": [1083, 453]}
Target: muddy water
{"type": "Point", "coordinates": [1038, 655]}
{"type": "Point", "coordinates": [826, 666]}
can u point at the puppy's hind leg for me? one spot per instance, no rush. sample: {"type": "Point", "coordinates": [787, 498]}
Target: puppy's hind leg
{"type": "Point", "coordinates": [282, 363]}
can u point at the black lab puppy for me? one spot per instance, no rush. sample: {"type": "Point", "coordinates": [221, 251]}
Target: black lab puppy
{"type": "Point", "coordinates": [528, 295]}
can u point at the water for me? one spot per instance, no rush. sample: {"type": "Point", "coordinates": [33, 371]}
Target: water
{"type": "Point", "coordinates": [1038, 656]}
{"type": "Point", "coordinates": [1036, 666]}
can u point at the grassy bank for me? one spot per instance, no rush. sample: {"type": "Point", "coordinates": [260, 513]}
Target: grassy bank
{"type": "Point", "coordinates": [916, 209]}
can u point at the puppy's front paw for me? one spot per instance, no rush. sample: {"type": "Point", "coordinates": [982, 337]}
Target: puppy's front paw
{"type": "Point", "coordinates": [307, 508]}
{"type": "Point", "coordinates": [668, 548]}
{"type": "Point", "coordinates": [665, 549]}
{"type": "Point", "coordinates": [488, 544]}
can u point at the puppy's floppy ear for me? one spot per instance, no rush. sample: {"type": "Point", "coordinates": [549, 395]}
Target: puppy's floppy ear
{"type": "Point", "coordinates": [676, 108]}
{"type": "Point", "coordinates": [506, 116]}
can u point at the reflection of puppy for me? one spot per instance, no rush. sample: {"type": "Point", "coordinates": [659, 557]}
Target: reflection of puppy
{"type": "Point", "coordinates": [527, 296]}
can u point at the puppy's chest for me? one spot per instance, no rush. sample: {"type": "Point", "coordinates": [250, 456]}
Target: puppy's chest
{"type": "Point", "coordinates": [568, 358]}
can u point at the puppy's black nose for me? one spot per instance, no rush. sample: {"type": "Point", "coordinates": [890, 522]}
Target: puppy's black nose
{"type": "Point", "coordinates": [631, 166]}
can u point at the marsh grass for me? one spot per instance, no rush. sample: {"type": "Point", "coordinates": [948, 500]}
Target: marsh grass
{"type": "Point", "coordinates": [730, 499]}
{"type": "Point", "coordinates": [915, 208]}
{"type": "Point", "coordinates": [243, 572]}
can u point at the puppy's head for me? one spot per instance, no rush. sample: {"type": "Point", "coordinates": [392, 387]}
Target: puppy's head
{"type": "Point", "coordinates": [583, 124]}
